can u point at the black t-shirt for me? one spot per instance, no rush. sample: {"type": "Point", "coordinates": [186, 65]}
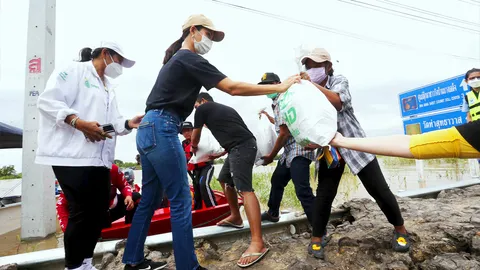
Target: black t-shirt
{"type": "Point", "coordinates": [471, 133]}
{"type": "Point", "coordinates": [224, 122]}
{"type": "Point", "coordinates": [179, 82]}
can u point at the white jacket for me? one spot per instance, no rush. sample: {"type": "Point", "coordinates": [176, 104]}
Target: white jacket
{"type": "Point", "coordinates": [76, 90]}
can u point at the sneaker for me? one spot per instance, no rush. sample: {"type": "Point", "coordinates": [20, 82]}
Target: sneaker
{"type": "Point", "coordinates": [267, 216]}
{"type": "Point", "coordinates": [317, 250]}
{"type": "Point", "coordinates": [401, 242]}
{"type": "Point", "coordinates": [88, 264]}
{"type": "Point", "coordinates": [147, 265]}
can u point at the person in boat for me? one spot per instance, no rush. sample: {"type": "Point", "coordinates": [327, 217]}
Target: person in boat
{"type": "Point", "coordinates": [129, 176]}
{"type": "Point", "coordinates": [200, 173]}
{"type": "Point", "coordinates": [77, 100]}
{"type": "Point", "coordinates": [170, 102]}
{"type": "Point", "coordinates": [228, 127]}
{"type": "Point", "coordinates": [121, 205]}
{"type": "Point", "coordinates": [294, 163]}
{"type": "Point", "coordinates": [319, 70]}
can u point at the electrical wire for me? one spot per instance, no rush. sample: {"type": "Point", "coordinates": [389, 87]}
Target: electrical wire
{"type": "Point", "coordinates": [427, 12]}
{"type": "Point", "coordinates": [470, 3]}
{"type": "Point", "coordinates": [336, 31]}
{"type": "Point", "coordinates": [406, 15]}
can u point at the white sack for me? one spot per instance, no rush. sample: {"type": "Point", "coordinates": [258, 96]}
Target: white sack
{"type": "Point", "coordinates": [264, 133]}
{"type": "Point", "coordinates": [207, 146]}
{"type": "Point", "coordinates": [310, 117]}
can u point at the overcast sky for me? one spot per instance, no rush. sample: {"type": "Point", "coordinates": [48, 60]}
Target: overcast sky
{"type": "Point", "coordinates": [380, 53]}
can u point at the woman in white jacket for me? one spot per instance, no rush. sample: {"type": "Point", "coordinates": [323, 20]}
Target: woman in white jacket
{"type": "Point", "coordinates": [76, 102]}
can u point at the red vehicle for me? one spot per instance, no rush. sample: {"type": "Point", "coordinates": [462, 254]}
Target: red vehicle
{"type": "Point", "coordinates": [161, 219]}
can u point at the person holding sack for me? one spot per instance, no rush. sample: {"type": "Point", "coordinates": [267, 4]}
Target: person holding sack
{"type": "Point", "coordinates": [294, 163]}
{"type": "Point", "coordinates": [76, 101]}
{"type": "Point", "coordinates": [320, 72]}
{"type": "Point", "coordinates": [170, 102]}
{"type": "Point", "coordinates": [201, 173]}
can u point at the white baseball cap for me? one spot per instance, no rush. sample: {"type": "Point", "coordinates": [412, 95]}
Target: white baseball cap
{"type": "Point", "coordinates": [127, 62]}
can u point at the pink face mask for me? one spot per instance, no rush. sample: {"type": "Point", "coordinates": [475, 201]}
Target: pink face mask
{"type": "Point", "coordinates": [317, 75]}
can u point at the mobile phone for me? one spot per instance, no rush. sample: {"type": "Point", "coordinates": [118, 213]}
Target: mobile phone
{"type": "Point", "coordinates": [108, 128]}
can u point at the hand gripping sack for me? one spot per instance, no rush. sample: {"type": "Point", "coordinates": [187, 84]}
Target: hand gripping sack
{"type": "Point", "coordinates": [265, 135]}
{"type": "Point", "coordinates": [310, 117]}
{"type": "Point", "coordinates": [207, 146]}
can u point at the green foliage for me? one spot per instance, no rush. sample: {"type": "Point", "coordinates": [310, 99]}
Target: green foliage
{"type": "Point", "coordinates": [9, 172]}
{"type": "Point", "coordinates": [124, 165]}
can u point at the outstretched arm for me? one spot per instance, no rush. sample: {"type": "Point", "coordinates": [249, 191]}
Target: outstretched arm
{"type": "Point", "coordinates": [394, 146]}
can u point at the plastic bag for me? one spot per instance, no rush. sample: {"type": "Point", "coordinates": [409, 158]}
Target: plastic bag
{"type": "Point", "coordinates": [300, 52]}
{"type": "Point", "coordinates": [264, 133]}
{"type": "Point", "coordinates": [310, 117]}
{"type": "Point", "coordinates": [207, 146]}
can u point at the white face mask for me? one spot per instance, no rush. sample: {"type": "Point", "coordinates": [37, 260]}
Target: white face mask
{"type": "Point", "coordinates": [474, 83]}
{"type": "Point", "coordinates": [113, 70]}
{"type": "Point", "coordinates": [203, 46]}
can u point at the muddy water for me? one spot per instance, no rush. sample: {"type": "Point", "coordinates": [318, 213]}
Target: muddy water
{"type": "Point", "coordinates": [400, 176]}
{"type": "Point", "coordinates": [11, 244]}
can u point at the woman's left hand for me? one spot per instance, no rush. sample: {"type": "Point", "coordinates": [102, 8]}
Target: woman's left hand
{"type": "Point", "coordinates": [135, 121]}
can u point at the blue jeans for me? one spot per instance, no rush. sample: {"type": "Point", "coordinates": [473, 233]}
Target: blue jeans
{"type": "Point", "coordinates": [164, 168]}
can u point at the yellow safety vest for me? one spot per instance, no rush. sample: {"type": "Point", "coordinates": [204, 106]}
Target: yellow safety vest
{"type": "Point", "coordinates": [473, 105]}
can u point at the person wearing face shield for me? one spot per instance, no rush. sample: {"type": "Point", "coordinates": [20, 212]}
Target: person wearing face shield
{"type": "Point", "coordinates": [77, 100]}
{"type": "Point", "coordinates": [320, 72]}
{"type": "Point", "coordinates": [170, 102]}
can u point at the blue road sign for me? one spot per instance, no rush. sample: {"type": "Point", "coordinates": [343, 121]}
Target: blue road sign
{"type": "Point", "coordinates": [434, 97]}
{"type": "Point", "coordinates": [442, 120]}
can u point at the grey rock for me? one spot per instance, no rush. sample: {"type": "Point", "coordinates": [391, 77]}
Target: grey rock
{"type": "Point", "coordinates": [397, 266]}
{"type": "Point", "coordinates": [306, 235]}
{"type": "Point", "coordinates": [107, 259]}
{"type": "Point", "coordinates": [451, 261]}
{"type": "Point", "coordinates": [12, 266]}
{"type": "Point", "coordinates": [476, 244]}
{"type": "Point", "coordinates": [156, 256]}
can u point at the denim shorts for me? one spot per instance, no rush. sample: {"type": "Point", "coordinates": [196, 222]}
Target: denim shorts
{"type": "Point", "coordinates": [238, 168]}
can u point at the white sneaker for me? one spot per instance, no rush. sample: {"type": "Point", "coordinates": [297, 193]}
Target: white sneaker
{"type": "Point", "coordinates": [87, 264]}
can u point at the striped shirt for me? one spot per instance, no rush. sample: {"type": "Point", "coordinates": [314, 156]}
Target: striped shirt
{"type": "Point", "coordinates": [291, 149]}
{"type": "Point", "coordinates": [348, 124]}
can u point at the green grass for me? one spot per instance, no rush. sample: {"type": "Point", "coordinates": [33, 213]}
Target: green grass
{"type": "Point", "coordinates": [262, 185]}
{"type": "Point", "coordinates": [350, 184]}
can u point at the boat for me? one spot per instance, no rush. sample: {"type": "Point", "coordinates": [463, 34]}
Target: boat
{"type": "Point", "coordinates": [161, 219]}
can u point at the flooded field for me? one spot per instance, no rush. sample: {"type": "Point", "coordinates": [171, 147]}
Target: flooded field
{"type": "Point", "coordinates": [401, 175]}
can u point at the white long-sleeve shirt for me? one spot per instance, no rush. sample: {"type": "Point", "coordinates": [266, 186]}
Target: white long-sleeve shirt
{"type": "Point", "coordinates": [77, 90]}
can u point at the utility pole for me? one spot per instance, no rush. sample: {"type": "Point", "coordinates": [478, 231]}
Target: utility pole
{"type": "Point", "coordinates": [38, 182]}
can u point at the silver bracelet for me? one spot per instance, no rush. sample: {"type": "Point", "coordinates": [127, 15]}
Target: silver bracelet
{"type": "Point", "coordinates": [74, 122]}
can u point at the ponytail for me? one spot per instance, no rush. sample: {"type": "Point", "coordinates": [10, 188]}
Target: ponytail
{"type": "Point", "coordinates": [85, 55]}
{"type": "Point", "coordinates": [173, 49]}
{"type": "Point", "coordinates": [175, 46]}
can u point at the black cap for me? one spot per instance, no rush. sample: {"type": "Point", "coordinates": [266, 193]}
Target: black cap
{"type": "Point", "coordinates": [187, 125]}
{"type": "Point", "coordinates": [270, 78]}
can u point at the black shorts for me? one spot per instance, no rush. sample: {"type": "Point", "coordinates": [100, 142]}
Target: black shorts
{"type": "Point", "coordinates": [238, 168]}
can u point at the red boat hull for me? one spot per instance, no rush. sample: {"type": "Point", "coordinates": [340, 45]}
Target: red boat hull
{"type": "Point", "coordinates": [161, 219]}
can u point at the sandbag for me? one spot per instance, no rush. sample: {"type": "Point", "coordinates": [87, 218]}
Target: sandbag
{"type": "Point", "coordinates": [207, 146]}
{"type": "Point", "coordinates": [265, 134]}
{"type": "Point", "coordinates": [310, 117]}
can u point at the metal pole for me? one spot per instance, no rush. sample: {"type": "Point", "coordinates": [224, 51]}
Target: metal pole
{"type": "Point", "coordinates": [38, 182]}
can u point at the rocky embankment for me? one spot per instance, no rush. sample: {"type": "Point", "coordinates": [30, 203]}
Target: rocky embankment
{"type": "Point", "coordinates": [443, 230]}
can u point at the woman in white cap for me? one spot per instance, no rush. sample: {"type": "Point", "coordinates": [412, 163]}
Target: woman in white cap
{"type": "Point", "coordinates": [171, 100]}
{"type": "Point", "coordinates": [77, 100]}
{"type": "Point", "coordinates": [336, 88]}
